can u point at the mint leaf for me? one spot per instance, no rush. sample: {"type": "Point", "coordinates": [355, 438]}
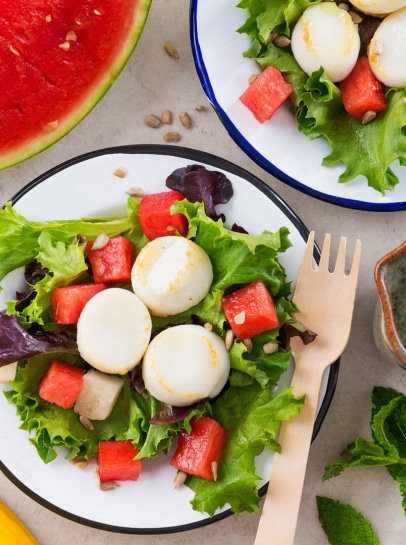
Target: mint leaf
{"type": "Point", "coordinates": [344, 525]}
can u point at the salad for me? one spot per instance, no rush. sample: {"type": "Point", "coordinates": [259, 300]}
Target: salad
{"type": "Point", "coordinates": [341, 65]}
{"type": "Point", "coordinates": [37, 330]}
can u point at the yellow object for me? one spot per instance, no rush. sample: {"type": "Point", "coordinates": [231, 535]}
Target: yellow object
{"type": "Point", "coordinates": [12, 530]}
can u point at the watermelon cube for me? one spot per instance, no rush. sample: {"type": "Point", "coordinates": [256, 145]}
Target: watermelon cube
{"type": "Point", "coordinates": [266, 93]}
{"type": "Point", "coordinates": [61, 384]}
{"type": "Point", "coordinates": [113, 263]}
{"type": "Point", "coordinates": [155, 215]}
{"type": "Point", "coordinates": [68, 302]}
{"type": "Point", "coordinates": [199, 453]}
{"type": "Point", "coordinates": [250, 311]}
{"type": "Point", "coordinates": [116, 461]}
{"type": "Point", "coordinates": [361, 91]}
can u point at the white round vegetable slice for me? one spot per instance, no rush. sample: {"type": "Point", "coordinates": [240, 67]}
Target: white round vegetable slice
{"type": "Point", "coordinates": [378, 7]}
{"type": "Point", "coordinates": [114, 330]}
{"type": "Point", "coordinates": [185, 364]}
{"type": "Point", "coordinates": [387, 50]}
{"type": "Point", "coordinates": [326, 36]}
{"type": "Point", "coordinates": [171, 274]}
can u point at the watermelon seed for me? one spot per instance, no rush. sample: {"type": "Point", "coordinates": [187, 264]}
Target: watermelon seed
{"type": "Point", "coordinates": [167, 117]}
{"type": "Point", "coordinates": [248, 344]}
{"type": "Point", "coordinates": [136, 192]}
{"type": "Point", "coordinates": [65, 46]}
{"type": "Point", "coordinates": [51, 126]}
{"type": "Point", "coordinates": [172, 137]}
{"type": "Point", "coordinates": [71, 36]}
{"type": "Point", "coordinates": [229, 339]}
{"type": "Point", "coordinates": [100, 242]}
{"type": "Point", "coordinates": [171, 50]}
{"type": "Point", "coordinates": [368, 117]}
{"type": "Point", "coordinates": [270, 348]}
{"type": "Point", "coordinates": [170, 228]}
{"type": "Point", "coordinates": [185, 120]}
{"type": "Point", "coordinates": [14, 51]}
{"type": "Point", "coordinates": [281, 41]}
{"type": "Point", "coordinates": [179, 479]}
{"type": "Point", "coordinates": [121, 172]}
{"type": "Point", "coordinates": [48, 18]}
{"type": "Point", "coordinates": [152, 121]}
{"type": "Point", "coordinates": [214, 470]}
{"type": "Point", "coordinates": [97, 12]}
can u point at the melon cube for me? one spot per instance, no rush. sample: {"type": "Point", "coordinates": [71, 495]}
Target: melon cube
{"type": "Point", "coordinates": [98, 395]}
{"type": "Point", "coordinates": [8, 372]}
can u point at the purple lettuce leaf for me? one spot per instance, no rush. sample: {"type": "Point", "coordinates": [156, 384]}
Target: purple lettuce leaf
{"type": "Point", "coordinates": [197, 184]}
{"type": "Point", "coordinates": [169, 415]}
{"type": "Point", "coordinates": [17, 343]}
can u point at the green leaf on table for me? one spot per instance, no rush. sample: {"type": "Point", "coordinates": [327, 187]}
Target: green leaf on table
{"type": "Point", "coordinates": [344, 525]}
{"type": "Point", "coordinates": [388, 448]}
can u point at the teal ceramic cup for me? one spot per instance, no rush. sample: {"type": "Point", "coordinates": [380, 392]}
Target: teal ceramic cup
{"type": "Point", "coordinates": [389, 325]}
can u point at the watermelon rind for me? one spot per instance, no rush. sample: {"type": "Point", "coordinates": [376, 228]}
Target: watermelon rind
{"type": "Point", "coordinates": [44, 140]}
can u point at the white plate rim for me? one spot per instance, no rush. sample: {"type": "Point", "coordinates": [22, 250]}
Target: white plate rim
{"type": "Point", "coordinates": [257, 157]}
{"type": "Point", "coordinates": [196, 156]}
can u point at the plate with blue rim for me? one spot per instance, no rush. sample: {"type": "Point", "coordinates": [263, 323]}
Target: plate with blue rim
{"type": "Point", "coordinates": [277, 145]}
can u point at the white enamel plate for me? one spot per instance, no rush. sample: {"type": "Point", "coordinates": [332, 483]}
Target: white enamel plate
{"type": "Point", "coordinates": [277, 145]}
{"type": "Point", "coordinates": [87, 187]}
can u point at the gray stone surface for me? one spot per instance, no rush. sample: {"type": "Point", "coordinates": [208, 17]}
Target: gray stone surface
{"type": "Point", "coordinates": [150, 83]}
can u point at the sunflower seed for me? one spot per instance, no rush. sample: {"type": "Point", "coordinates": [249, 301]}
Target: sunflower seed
{"type": "Point", "coordinates": [281, 41]}
{"type": "Point", "coordinates": [185, 120]}
{"type": "Point", "coordinates": [356, 19]}
{"type": "Point", "coordinates": [100, 242]}
{"type": "Point", "coordinates": [110, 485]}
{"type": "Point", "coordinates": [152, 121]}
{"type": "Point", "coordinates": [136, 192]}
{"type": "Point", "coordinates": [200, 108]}
{"type": "Point", "coordinates": [229, 339]}
{"type": "Point", "coordinates": [368, 117]}
{"type": "Point", "coordinates": [248, 344]}
{"type": "Point", "coordinates": [239, 319]}
{"type": "Point", "coordinates": [167, 117]}
{"type": "Point", "coordinates": [344, 6]}
{"type": "Point", "coordinates": [179, 479]}
{"type": "Point", "coordinates": [272, 37]}
{"type": "Point", "coordinates": [172, 137]}
{"type": "Point", "coordinates": [208, 326]}
{"type": "Point", "coordinates": [96, 476]}
{"type": "Point", "coordinates": [120, 172]}
{"type": "Point", "coordinates": [270, 348]}
{"type": "Point", "coordinates": [86, 422]}
{"type": "Point", "coordinates": [252, 78]}
{"type": "Point", "coordinates": [171, 50]}
{"type": "Point", "coordinates": [214, 470]}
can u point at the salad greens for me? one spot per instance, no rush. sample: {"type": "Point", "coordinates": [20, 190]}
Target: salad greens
{"type": "Point", "coordinates": [249, 409]}
{"type": "Point", "coordinates": [366, 150]}
{"type": "Point", "coordinates": [344, 525]}
{"type": "Point", "coordinates": [388, 447]}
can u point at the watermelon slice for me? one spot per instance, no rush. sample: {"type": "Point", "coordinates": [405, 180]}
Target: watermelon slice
{"type": "Point", "coordinates": [57, 59]}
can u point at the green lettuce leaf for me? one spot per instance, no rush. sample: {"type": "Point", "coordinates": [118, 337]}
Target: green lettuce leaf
{"type": "Point", "coordinates": [252, 418]}
{"type": "Point", "coordinates": [19, 236]}
{"type": "Point", "coordinates": [344, 525]}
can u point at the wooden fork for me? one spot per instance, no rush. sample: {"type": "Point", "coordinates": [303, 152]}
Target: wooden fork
{"type": "Point", "coordinates": [326, 302]}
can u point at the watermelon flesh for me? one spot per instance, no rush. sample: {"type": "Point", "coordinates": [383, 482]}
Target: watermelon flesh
{"type": "Point", "coordinates": [57, 59]}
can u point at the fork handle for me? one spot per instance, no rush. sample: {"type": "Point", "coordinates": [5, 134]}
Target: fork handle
{"type": "Point", "coordinates": [280, 511]}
